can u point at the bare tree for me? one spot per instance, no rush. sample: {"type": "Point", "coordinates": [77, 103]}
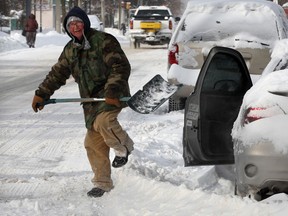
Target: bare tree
{"type": "Point", "coordinates": [63, 10]}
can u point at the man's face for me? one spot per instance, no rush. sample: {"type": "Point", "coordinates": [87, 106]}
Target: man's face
{"type": "Point", "coordinates": [76, 28]}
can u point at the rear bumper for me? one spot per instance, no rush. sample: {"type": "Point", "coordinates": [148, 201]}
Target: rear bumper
{"type": "Point", "coordinates": [268, 169]}
{"type": "Point", "coordinates": [150, 38]}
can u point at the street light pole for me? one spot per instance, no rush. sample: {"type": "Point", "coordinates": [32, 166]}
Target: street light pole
{"type": "Point", "coordinates": [40, 15]}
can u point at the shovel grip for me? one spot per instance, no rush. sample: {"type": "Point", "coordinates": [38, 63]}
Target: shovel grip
{"type": "Point", "coordinates": [45, 102]}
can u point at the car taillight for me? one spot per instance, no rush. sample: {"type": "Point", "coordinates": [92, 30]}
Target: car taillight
{"type": "Point", "coordinates": [172, 56]}
{"type": "Point", "coordinates": [131, 24]}
{"type": "Point", "coordinates": [170, 24]}
{"type": "Point", "coordinates": [253, 114]}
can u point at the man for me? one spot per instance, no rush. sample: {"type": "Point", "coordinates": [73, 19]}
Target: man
{"type": "Point", "coordinates": [101, 69]}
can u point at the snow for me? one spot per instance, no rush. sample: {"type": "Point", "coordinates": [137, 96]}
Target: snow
{"type": "Point", "coordinates": [246, 30]}
{"type": "Point", "coordinates": [270, 128]}
{"type": "Point", "coordinates": [44, 169]}
{"type": "Point", "coordinates": [184, 75]}
{"type": "Point", "coordinates": [216, 14]}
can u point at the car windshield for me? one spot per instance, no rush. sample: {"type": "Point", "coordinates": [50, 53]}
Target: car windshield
{"type": "Point", "coordinates": [148, 13]}
{"type": "Point", "coordinates": [217, 24]}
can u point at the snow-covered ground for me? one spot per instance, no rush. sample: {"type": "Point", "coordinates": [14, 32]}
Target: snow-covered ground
{"type": "Point", "coordinates": [43, 165]}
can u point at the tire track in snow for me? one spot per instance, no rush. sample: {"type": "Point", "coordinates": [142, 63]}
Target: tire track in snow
{"type": "Point", "coordinates": [17, 190]}
{"type": "Point", "coordinates": [31, 152]}
{"type": "Point", "coordinates": [29, 156]}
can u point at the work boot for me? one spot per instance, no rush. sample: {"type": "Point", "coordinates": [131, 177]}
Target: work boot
{"type": "Point", "coordinates": [120, 161]}
{"type": "Point", "coordinates": [96, 192]}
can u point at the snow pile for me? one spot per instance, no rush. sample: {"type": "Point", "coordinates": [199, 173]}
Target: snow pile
{"type": "Point", "coordinates": [44, 169]}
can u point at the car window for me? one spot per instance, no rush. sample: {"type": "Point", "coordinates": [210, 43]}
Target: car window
{"type": "Point", "coordinates": [152, 15]}
{"type": "Point", "coordinates": [148, 13]}
{"type": "Point", "coordinates": [224, 74]}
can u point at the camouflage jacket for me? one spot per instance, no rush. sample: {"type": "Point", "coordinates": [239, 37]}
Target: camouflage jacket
{"type": "Point", "coordinates": [101, 71]}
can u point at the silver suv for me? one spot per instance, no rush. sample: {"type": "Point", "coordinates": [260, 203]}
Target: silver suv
{"type": "Point", "coordinates": [249, 26]}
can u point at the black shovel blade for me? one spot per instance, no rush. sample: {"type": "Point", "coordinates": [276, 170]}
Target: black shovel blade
{"type": "Point", "coordinates": [153, 95]}
{"type": "Point", "coordinates": [280, 93]}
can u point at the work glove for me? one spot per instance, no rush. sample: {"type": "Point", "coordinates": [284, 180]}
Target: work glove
{"type": "Point", "coordinates": [35, 103]}
{"type": "Point", "coordinates": [113, 101]}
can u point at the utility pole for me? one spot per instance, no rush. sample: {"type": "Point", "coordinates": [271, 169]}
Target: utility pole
{"type": "Point", "coordinates": [34, 7]}
{"type": "Point", "coordinates": [28, 8]}
{"type": "Point", "coordinates": [40, 16]}
{"type": "Point", "coordinates": [119, 14]}
{"type": "Point", "coordinates": [103, 12]}
{"type": "Point", "coordinates": [58, 16]}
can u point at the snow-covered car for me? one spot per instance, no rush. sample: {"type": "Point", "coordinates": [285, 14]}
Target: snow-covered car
{"type": "Point", "coordinates": [249, 26]}
{"type": "Point", "coordinates": [96, 23]}
{"type": "Point", "coordinates": [259, 134]}
{"type": "Point", "coordinates": [254, 139]}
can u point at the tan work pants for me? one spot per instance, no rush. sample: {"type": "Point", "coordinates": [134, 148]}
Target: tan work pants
{"type": "Point", "coordinates": [106, 133]}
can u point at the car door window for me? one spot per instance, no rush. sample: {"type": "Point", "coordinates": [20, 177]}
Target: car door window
{"type": "Point", "coordinates": [222, 91]}
{"type": "Point", "coordinates": [224, 76]}
{"type": "Point", "coordinates": [212, 108]}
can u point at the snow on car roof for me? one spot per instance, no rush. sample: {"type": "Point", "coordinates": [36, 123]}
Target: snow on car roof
{"type": "Point", "coordinates": [152, 7]}
{"type": "Point", "coordinates": [238, 19]}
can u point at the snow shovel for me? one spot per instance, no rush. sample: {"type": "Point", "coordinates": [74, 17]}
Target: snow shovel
{"type": "Point", "coordinates": [145, 101]}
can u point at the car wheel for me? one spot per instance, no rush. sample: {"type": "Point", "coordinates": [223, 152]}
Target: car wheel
{"type": "Point", "coordinates": [245, 191]}
{"type": "Point", "coordinates": [264, 193]}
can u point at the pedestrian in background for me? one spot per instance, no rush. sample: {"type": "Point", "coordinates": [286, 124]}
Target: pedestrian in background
{"type": "Point", "coordinates": [31, 27]}
{"type": "Point", "coordinates": [123, 28]}
{"type": "Point", "coordinates": [101, 69]}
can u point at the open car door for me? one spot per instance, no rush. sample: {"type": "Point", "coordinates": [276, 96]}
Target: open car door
{"type": "Point", "coordinates": [212, 108]}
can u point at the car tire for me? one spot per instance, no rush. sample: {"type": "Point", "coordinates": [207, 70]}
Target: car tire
{"type": "Point", "coordinates": [244, 191]}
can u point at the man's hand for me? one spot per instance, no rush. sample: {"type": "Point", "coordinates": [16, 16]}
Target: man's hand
{"type": "Point", "coordinates": [113, 101]}
{"type": "Point", "coordinates": [35, 103]}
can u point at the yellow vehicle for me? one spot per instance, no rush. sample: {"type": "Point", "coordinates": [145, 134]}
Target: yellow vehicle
{"type": "Point", "coordinates": [151, 25]}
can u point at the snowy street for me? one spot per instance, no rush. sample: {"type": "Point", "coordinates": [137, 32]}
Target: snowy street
{"type": "Point", "coordinates": [44, 168]}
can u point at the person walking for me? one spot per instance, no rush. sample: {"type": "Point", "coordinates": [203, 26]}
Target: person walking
{"type": "Point", "coordinates": [31, 27]}
{"type": "Point", "coordinates": [123, 28]}
{"type": "Point", "coordinates": [101, 69]}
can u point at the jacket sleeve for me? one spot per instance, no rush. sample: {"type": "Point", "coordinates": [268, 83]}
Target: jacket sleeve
{"type": "Point", "coordinates": [119, 66]}
{"type": "Point", "coordinates": [57, 77]}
